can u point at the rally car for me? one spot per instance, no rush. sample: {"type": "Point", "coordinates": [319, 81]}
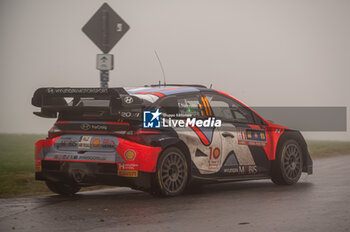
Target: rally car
{"type": "Point", "coordinates": [160, 139]}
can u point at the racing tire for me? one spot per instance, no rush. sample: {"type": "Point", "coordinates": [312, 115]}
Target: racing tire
{"type": "Point", "coordinates": [62, 188]}
{"type": "Point", "coordinates": [288, 165]}
{"type": "Point", "coordinates": [172, 173]}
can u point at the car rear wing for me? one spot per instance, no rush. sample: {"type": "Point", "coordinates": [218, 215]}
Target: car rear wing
{"type": "Point", "coordinates": [54, 100]}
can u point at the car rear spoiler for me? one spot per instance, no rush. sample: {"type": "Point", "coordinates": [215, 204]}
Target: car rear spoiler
{"type": "Point", "coordinates": [52, 100]}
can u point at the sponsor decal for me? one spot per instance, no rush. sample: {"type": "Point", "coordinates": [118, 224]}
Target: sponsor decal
{"type": "Point", "coordinates": [130, 154]}
{"type": "Point", "coordinates": [107, 143]}
{"type": "Point", "coordinates": [124, 166]}
{"type": "Point", "coordinates": [87, 126]}
{"type": "Point", "coordinates": [85, 142]}
{"type": "Point", "coordinates": [242, 169]}
{"type": "Point", "coordinates": [128, 100]}
{"type": "Point", "coordinates": [79, 157]}
{"type": "Point", "coordinates": [96, 142]}
{"type": "Point", "coordinates": [231, 166]}
{"type": "Point", "coordinates": [213, 164]}
{"type": "Point", "coordinates": [87, 148]}
{"type": "Point", "coordinates": [77, 91]}
{"type": "Point", "coordinates": [128, 170]}
{"type": "Point", "coordinates": [128, 173]}
{"type": "Point", "coordinates": [66, 142]}
{"type": "Point", "coordinates": [66, 157]}
{"type": "Point", "coordinates": [231, 170]}
{"type": "Point", "coordinates": [252, 137]}
{"type": "Point", "coordinates": [98, 127]}
{"type": "Point", "coordinates": [247, 169]}
{"type": "Point", "coordinates": [76, 142]}
{"type": "Point", "coordinates": [278, 131]}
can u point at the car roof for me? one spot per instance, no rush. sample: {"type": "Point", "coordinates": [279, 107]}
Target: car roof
{"type": "Point", "coordinates": [165, 90]}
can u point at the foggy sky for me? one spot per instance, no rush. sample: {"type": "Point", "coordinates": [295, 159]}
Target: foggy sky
{"type": "Point", "coordinates": [265, 53]}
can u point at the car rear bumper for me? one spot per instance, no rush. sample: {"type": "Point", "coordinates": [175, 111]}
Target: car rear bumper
{"type": "Point", "coordinates": [87, 174]}
{"type": "Point", "coordinates": [144, 159]}
{"type": "Point", "coordinates": [91, 168]}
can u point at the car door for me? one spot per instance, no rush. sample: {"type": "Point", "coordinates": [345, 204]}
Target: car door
{"type": "Point", "coordinates": [242, 138]}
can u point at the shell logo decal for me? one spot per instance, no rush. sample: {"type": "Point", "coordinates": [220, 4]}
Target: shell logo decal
{"type": "Point", "coordinates": [130, 154]}
{"type": "Point", "coordinates": [96, 142]}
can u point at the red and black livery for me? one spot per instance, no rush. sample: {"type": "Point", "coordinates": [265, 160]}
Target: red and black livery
{"type": "Point", "coordinates": [99, 139]}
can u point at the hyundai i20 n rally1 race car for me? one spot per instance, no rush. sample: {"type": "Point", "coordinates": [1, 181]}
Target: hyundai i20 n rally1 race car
{"type": "Point", "coordinates": [160, 139]}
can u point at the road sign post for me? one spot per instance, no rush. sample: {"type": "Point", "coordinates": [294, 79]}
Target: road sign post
{"type": "Point", "coordinates": [105, 29]}
{"type": "Point", "coordinates": [104, 63]}
{"type": "Point", "coordinates": [104, 78]}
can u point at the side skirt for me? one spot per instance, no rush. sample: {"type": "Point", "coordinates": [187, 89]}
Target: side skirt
{"type": "Point", "coordinates": [229, 179]}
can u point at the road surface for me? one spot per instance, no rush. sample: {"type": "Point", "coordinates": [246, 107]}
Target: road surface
{"type": "Point", "coordinates": [320, 202]}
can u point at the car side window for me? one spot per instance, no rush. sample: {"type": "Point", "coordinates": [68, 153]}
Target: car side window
{"type": "Point", "coordinates": [229, 110]}
{"type": "Point", "coordinates": [220, 108]}
{"type": "Point", "coordinates": [241, 114]}
{"type": "Point", "coordinates": [187, 105]}
{"type": "Point", "coordinates": [169, 105]}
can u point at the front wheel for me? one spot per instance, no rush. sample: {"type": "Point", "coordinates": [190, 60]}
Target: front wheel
{"type": "Point", "coordinates": [288, 165]}
{"type": "Point", "coordinates": [172, 172]}
{"type": "Point", "coordinates": [62, 188]}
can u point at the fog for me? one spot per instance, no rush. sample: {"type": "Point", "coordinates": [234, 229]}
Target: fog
{"type": "Point", "coordinates": [265, 53]}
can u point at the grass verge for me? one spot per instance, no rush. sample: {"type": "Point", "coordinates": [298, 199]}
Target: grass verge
{"type": "Point", "coordinates": [322, 149]}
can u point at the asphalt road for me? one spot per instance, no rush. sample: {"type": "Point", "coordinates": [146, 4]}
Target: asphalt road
{"type": "Point", "coordinates": [320, 202]}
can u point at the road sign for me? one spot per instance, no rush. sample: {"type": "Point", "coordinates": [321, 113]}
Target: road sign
{"type": "Point", "coordinates": [104, 61]}
{"type": "Point", "coordinates": [105, 28]}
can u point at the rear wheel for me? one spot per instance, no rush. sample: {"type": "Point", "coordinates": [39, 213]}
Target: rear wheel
{"type": "Point", "coordinates": [288, 165]}
{"type": "Point", "coordinates": [172, 173]}
{"type": "Point", "coordinates": [62, 188]}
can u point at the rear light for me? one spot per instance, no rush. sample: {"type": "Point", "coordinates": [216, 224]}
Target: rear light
{"type": "Point", "coordinates": [38, 166]}
{"type": "Point", "coordinates": [54, 132]}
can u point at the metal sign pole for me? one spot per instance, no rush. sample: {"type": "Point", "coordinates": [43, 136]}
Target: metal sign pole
{"type": "Point", "coordinates": [104, 78]}
{"type": "Point", "coordinates": [104, 74]}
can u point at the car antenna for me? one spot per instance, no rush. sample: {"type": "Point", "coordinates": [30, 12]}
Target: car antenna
{"type": "Point", "coordinates": [161, 66]}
